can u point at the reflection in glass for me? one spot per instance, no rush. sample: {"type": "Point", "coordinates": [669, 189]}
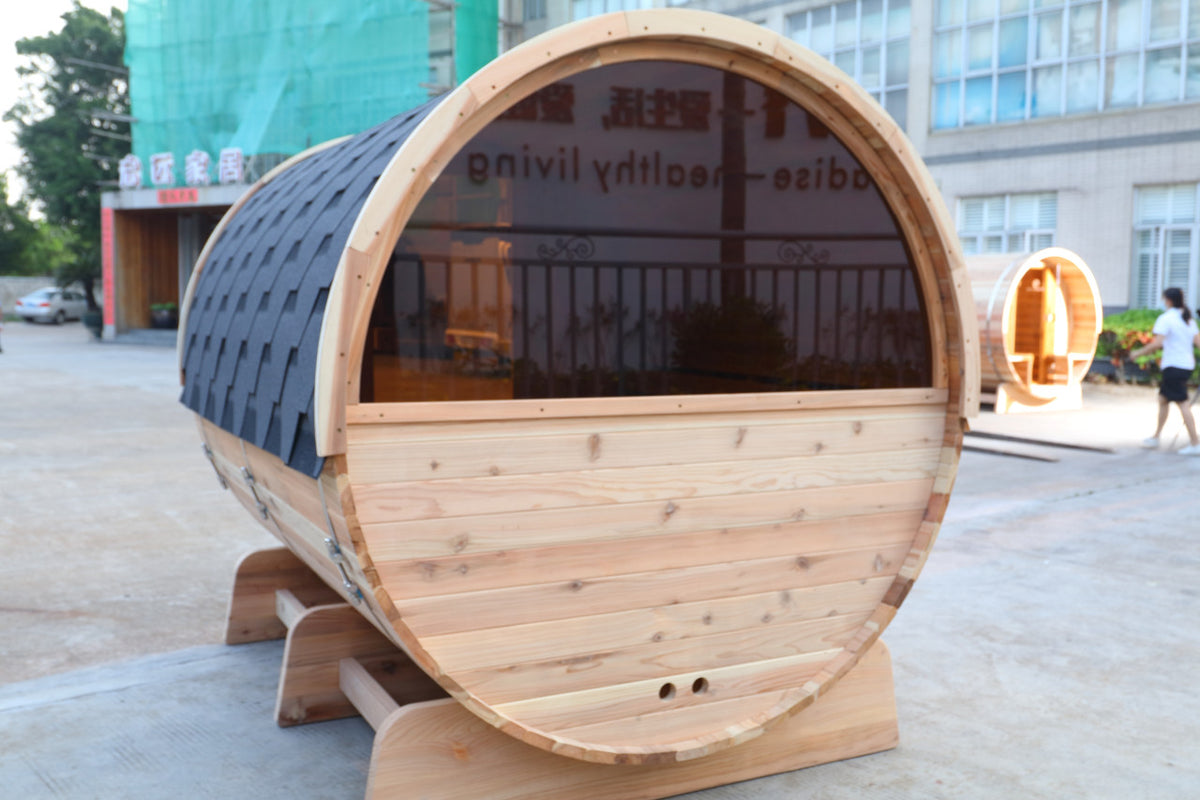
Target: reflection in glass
{"type": "Point", "coordinates": [1165, 20]}
{"type": "Point", "coordinates": [1162, 75]}
{"type": "Point", "coordinates": [871, 21]}
{"type": "Point", "coordinates": [947, 54]}
{"type": "Point", "coordinates": [897, 62]}
{"type": "Point", "coordinates": [977, 101]}
{"type": "Point", "coordinates": [1013, 6]}
{"type": "Point", "coordinates": [1049, 36]}
{"type": "Point", "coordinates": [945, 105]}
{"type": "Point", "coordinates": [897, 105]}
{"type": "Point", "coordinates": [1083, 85]}
{"type": "Point", "coordinates": [1014, 41]}
{"type": "Point", "coordinates": [899, 21]}
{"type": "Point", "coordinates": [1047, 92]}
{"type": "Point", "coordinates": [619, 235]}
{"type": "Point", "coordinates": [979, 47]}
{"type": "Point", "coordinates": [847, 24]}
{"type": "Point", "coordinates": [980, 9]}
{"type": "Point", "coordinates": [1192, 85]}
{"type": "Point", "coordinates": [1124, 24]}
{"type": "Point", "coordinates": [948, 12]}
{"type": "Point", "coordinates": [1193, 31]}
{"type": "Point", "coordinates": [1010, 96]}
{"type": "Point", "coordinates": [1085, 30]}
{"type": "Point", "coordinates": [845, 62]}
{"type": "Point", "coordinates": [1121, 81]}
{"type": "Point", "coordinates": [869, 75]}
{"type": "Point", "coordinates": [822, 30]}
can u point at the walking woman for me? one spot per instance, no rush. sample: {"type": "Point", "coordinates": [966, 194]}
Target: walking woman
{"type": "Point", "coordinates": [1175, 332]}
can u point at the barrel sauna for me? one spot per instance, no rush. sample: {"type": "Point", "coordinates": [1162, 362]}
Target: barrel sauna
{"type": "Point", "coordinates": [1039, 320]}
{"type": "Point", "coordinates": [622, 388]}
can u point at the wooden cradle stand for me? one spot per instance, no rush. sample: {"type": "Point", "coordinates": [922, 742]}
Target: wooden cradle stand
{"type": "Point", "coordinates": [336, 665]}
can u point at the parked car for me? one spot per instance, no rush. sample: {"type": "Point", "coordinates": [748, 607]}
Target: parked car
{"type": "Point", "coordinates": [52, 305]}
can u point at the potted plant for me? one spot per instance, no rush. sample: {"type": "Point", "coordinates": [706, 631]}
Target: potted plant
{"type": "Point", "coordinates": [164, 315]}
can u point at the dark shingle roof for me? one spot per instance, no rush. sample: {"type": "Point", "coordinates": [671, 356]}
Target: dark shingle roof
{"type": "Point", "coordinates": [250, 347]}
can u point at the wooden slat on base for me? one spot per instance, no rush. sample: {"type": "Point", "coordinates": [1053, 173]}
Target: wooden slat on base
{"type": "Point", "coordinates": [309, 683]}
{"type": "Point", "coordinates": [440, 750]}
{"type": "Point", "coordinates": [252, 612]}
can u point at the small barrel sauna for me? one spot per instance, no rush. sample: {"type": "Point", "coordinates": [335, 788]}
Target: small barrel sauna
{"type": "Point", "coordinates": [622, 388]}
{"type": "Point", "coordinates": [1039, 320]}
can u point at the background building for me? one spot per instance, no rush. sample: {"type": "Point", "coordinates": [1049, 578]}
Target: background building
{"type": "Point", "coordinates": [1042, 121]}
{"type": "Point", "coordinates": [223, 91]}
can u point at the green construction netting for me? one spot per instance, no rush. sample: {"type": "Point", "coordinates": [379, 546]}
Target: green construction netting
{"type": "Point", "coordinates": [273, 77]}
{"type": "Point", "coordinates": [475, 24]}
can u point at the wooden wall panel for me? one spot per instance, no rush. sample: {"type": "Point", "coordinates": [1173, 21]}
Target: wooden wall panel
{"type": "Point", "coordinates": [147, 265]}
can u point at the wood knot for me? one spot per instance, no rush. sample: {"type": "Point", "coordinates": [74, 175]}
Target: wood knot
{"type": "Point", "coordinates": [669, 510]}
{"type": "Point", "coordinates": [463, 569]}
{"type": "Point", "coordinates": [594, 447]}
{"type": "Point", "coordinates": [799, 515]}
{"type": "Point", "coordinates": [802, 563]}
{"type": "Point", "coordinates": [857, 428]}
{"type": "Point", "coordinates": [818, 447]}
{"type": "Point", "coordinates": [433, 465]}
{"type": "Point", "coordinates": [657, 637]}
{"type": "Point", "coordinates": [879, 563]}
{"type": "Point", "coordinates": [707, 619]}
{"type": "Point", "coordinates": [741, 436]}
{"type": "Point", "coordinates": [428, 569]}
{"type": "Point", "coordinates": [459, 543]}
{"type": "Point", "coordinates": [494, 470]}
{"type": "Point", "coordinates": [785, 598]}
{"type": "Point", "coordinates": [767, 617]}
{"type": "Point", "coordinates": [575, 586]}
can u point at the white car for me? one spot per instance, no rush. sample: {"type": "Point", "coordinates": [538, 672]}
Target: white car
{"type": "Point", "coordinates": [52, 304]}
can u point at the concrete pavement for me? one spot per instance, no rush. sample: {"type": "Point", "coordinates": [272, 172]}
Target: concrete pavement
{"type": "Point", "coordinates": [1049, 650]}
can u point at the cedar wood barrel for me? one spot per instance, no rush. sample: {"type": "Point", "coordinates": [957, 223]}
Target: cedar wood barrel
{"type": "Point", "coordinates": [1039, 320]}
{"type": "Point", "coordinates": [628, 379]}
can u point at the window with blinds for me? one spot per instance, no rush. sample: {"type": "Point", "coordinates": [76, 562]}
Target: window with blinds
{"type": "Point", "coordinates": [1166, 232]}
{"type": "Point", "coordinates": [1007, 223]}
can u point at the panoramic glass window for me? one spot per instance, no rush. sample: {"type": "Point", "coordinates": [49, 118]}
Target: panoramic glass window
{"type": "Point", "coordinates": [651, 228]}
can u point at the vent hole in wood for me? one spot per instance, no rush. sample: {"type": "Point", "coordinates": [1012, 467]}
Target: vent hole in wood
{"type": "Point", "coordinates": [700, 686]}
{"type": "Point", "coordinates": [666, 691]}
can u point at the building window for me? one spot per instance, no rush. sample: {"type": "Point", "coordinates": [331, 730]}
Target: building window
{"type": "Point", "coordinates": [581, 9]}
{"type": "Point", "coordinates": [534, 9]}
{"type": "Point", "coordinates": [1007, 223]}
{"type": "Point", "coordinates": [1166, 233]}
{"type": "Point", "coordinates": [1005, 60]}
{"type": "Point", "coordinates": [866, 39]}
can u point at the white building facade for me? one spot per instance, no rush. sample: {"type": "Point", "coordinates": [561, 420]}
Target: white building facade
{"type": "Point", "coordinates": [1069, 122]}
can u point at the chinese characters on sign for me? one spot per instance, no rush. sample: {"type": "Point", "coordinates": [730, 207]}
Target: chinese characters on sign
{"type": "Point", "coordinates": [195, 169]}
{"type": "Point", "coordinates": [162, 169]}
{"type": "Point", "coordinates": [231, 168]}
{"type": "Point", "coordinates": [130, 168]}
{"type": "Point", "coordinates": [683, 109]}
{"type": "Point", "coordinates": [555, 103]}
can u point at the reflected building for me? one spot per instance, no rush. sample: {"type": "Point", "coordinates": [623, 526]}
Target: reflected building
{"type": "Point", "coordinates": [1042, 121]}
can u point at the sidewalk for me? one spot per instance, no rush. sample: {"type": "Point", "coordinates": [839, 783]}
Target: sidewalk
{"type": "Point", "coordinates": [1049, 650]}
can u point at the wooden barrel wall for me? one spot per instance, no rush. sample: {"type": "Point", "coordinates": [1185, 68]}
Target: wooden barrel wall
{"type": "Point", "coordinates": [1039, 319]}
{"type": "Point", "coordinates": [552, 377]}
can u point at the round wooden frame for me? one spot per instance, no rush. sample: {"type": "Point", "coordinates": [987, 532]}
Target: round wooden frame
{"type": "Point", "coordinates": [661, 34]}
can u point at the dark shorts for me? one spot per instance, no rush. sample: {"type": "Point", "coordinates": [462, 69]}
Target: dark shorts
{"type": "Point", "coordinates": [1174, 384]}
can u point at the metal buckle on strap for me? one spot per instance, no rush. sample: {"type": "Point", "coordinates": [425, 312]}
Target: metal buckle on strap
{"type": "Point", "coordinates": [213, 460]}
{"type": "Point", "coordinates": [339, 560]}
{"type": "Point", "coordinates": [249, 478]}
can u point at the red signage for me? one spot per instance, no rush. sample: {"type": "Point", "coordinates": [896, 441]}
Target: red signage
{"type": "Point", "coordinates": [171, 197]}
{"type": "Point", "coordinates": [106, 265]}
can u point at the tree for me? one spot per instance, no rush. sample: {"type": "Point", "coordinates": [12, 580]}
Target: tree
{"type": "Point", "coordinates": [17, 233]}
{"type": "Point", "coordinates": [73, 129]}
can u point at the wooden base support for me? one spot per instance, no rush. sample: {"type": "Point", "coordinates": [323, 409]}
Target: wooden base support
{"type": "Point", "coordinates": [439, 750]}
{"type": "Point", "coordinates": [259, 576]}
{"type": "Point", "coordinates": [336, 664]}
{"type": "Point", "coordinates": [1069, 398]}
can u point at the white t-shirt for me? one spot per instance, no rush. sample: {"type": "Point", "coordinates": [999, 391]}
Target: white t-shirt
{"type": "Point", "coordinates": [1177, 339]}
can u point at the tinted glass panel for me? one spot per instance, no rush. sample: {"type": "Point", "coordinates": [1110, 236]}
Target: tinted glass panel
{"type": "Point", "coordinates": [647, 229]}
